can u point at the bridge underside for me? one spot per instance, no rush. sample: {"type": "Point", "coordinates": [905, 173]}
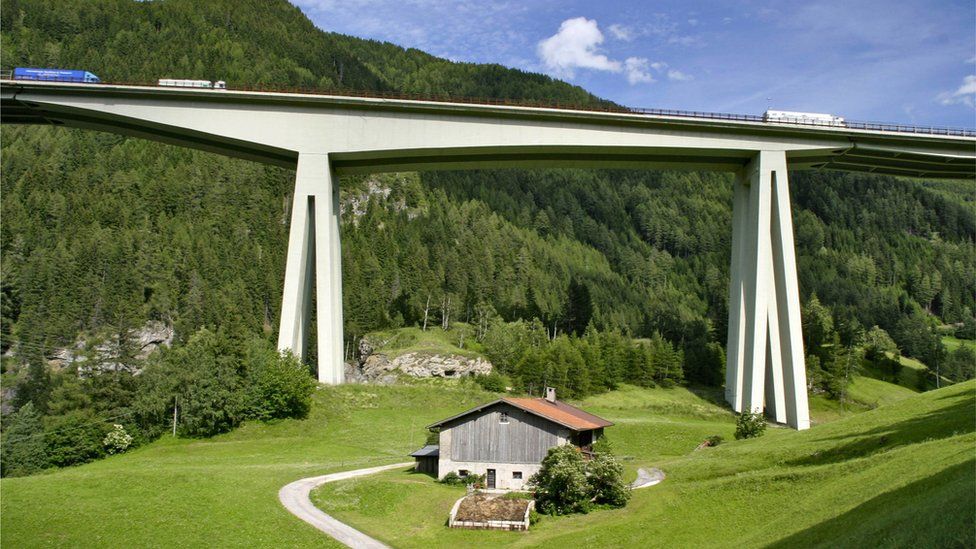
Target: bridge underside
{"type": "Point", "coordinates": [884, 160]}
{"type": "Point", "coordinates": [323, 138]}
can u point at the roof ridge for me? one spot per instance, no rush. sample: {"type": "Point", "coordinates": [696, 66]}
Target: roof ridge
{"type": "Point", "coordinates": [560, 412]}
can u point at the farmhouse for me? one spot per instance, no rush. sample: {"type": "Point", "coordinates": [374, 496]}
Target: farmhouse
{"type": "Point", "coordinates": [506, 439]}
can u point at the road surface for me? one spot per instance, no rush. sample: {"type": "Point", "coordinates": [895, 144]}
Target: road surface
{"type": "Point", "coordinates": [295, 498]}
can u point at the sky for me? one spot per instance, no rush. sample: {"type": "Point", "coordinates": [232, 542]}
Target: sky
{"type": "Point", "coordinates": [902, 61]}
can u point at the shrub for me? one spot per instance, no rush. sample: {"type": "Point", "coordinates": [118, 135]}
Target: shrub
{"type": "Point", "coordinates": [714, 440]}
{"type": "Point", "coordinates": [117, 440]}
{"type": "Point", "coordinates": [877, 343]}
{"type": "Point", "coordinates": [73, 438]}
{"type": "Point", "coordinates": [606, 481]}
{"type": "Point", "coordinates": [493, 382]}
{"type": "Point", "coordinates": [453, 479]}
{"type": "Point", "coordinates": [750, 425]}
{"type": "Point", "coordinates": [561, 482]}
{"type": "Point", "coordinates": [478, 481]}
{"type": "Point", "coordinates": [279, 386]}
{"type": "Point", "coordinates": [603, 445]}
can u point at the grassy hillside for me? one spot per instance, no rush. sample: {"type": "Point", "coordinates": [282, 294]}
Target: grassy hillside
{"type": "Point", "coordinates": [459, 340]}
{"type": "Point", "coordinates": [901, 475]}
{"type": "Point", "coordinates": [185, 492]}
{"type": "Point", "coordinates": [224, 490]}
{"type": "Point", "coordinates": [952, 343]}
{"type": "Point", "coordinates": [861, 475]}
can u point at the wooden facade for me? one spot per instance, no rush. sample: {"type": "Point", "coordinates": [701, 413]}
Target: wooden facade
{"type": "Point", "coordinates": [503, 434]}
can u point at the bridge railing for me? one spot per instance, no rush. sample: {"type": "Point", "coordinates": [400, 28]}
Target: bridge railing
{"type": "Point", "coordinates": [853, 124]}
{"type": "Point", "coordinates": [604, 106]}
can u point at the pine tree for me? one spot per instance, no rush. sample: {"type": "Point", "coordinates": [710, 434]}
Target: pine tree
{"type": "Point", "coordinates": [24, 449]}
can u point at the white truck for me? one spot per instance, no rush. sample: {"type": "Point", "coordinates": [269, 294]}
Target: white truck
{"type": "Point", "coordinates": [207, 84]}
{"type": "Point", "coordinates": [793, 117]}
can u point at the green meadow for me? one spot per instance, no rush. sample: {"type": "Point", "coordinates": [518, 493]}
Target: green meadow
{"type": "Point", "coordinates": [223, 491]}
{"type": "Point", "coordinates": [952, 343]}
{"type": "Point", "coordinates": [898, 474]}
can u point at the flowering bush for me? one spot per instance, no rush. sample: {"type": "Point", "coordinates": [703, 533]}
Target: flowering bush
{"type": "Point", "coordinates": [561, 483]}
{"type": "Point", "coordinates": [117, 440]}
{"type": "Point", "coordinates": [569, 483]}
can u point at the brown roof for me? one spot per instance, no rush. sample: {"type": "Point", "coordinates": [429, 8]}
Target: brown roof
{"type": "Point", "coordinates": [557, 412]}
{"type": "Point", "coordinates": [560, 412]}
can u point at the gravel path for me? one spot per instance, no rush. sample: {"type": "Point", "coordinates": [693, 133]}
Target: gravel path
{"type": "Point", "coordinates": [295, 498]}
{"type": "Point", "coordinates": [647, 478]}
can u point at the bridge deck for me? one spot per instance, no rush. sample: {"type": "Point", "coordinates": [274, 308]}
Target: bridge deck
{"type": "Point", "coordinates": [870, 147]}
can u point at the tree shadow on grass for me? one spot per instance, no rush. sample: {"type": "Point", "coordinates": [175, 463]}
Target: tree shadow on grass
{"type": "Point", "coordinates": [956, 418]}
{"type": "Point", "coordinates": [713, 395]}
{"type": "Point", "coordinates": [936, 511]}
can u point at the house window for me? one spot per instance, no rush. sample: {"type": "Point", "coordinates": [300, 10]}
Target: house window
{"type": "Point", "coordinates": [463, 473]}
{"type": "Point", "coordinates": [503, 418]}
{"type": "Point", "coordinates": [517, 475]}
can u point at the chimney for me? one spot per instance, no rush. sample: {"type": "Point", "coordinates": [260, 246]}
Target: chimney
{"type": "Point", "coordinates": [551, 394]}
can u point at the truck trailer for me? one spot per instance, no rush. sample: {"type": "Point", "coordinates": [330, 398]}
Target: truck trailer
{"type": "Point", "coordinates": [181, 83]}
{"type": "Point", "coordinates": [793, 117]}
{"type": "Point", "coordinates": [55, 75]}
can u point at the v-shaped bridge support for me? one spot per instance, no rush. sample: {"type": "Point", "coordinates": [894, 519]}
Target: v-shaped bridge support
{"type": "Point", "coordinates": [765, 363]}
{"type": "Point", "coordinates": [314, 254]}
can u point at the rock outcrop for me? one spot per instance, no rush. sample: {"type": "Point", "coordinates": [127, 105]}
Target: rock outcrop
{"type": "Point", "coordinates": [382, 369]}
{"type": "Point", "coordinates": [152, 335]}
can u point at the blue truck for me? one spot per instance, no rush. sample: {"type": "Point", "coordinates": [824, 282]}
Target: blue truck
{"type": "Point", "coordinates": [55, 75]}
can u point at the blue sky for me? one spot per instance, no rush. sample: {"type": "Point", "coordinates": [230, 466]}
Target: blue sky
{"type": "Point", "coordinates": [890, 61]}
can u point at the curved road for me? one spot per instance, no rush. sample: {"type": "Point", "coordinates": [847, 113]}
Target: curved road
{"type": "Point", "coordinates": [294, 497]}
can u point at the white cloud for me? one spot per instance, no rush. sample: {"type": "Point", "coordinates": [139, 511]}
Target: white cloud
{"type": "Point", "coordinates": [965, 94]}
{"type": "Point", "coordinates": [638, 70]}
{"type": "Point", "coordinates": [621, 32]}
{"type": "Point", "coordinates": [675, 74]}
{"type": "Point", "coordinates": [575, 46]}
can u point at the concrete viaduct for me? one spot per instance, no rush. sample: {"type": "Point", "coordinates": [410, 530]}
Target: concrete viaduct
{"type": "Point", "coordinates": [327, 136]}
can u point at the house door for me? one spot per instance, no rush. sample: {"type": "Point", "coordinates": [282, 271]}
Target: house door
{"type": "Point", "coordinates": [491, 479]}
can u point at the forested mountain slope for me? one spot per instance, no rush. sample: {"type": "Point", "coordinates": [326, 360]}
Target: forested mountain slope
{"type": "Point", "coordinates": [101, 233]}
